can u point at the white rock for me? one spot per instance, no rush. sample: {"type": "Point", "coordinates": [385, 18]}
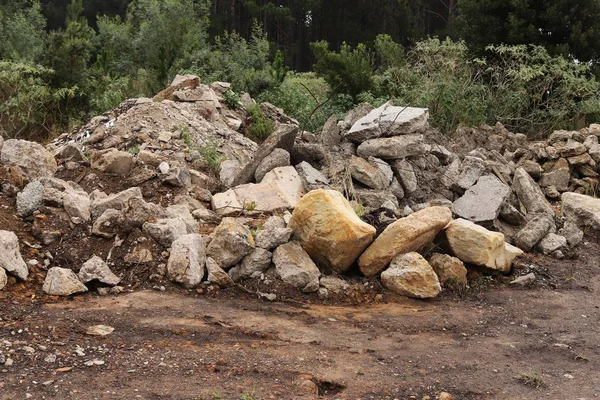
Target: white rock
{"type": "Point", "coordinates": [483, 201]}
{"type": "Point", "coordinates": [294, 266]}
{"type": "Point", "coordinates": [164, 167]}
{"type": "Point", "coordinates": [10, 257]}
{"type": "Point", "coordinates": [254, 263]}
{"type": "Point", "coordinates": [165, 231]}
{"type": "Point", "coordinates": [280, 189]}
{"type": "Point", "coordinates": [277, 158]}
{"type": "Point", "coordinates": [113, 161]}
{"type": "Point", "coordinates": [32, 158]}
{"type": "Point", "coordinates": [230, 242]}
{"type": "Point", "coordinates": [217, 275]}
{"type": "Point", "coordinates": [388, 120]}
{"type": "Point", "coordinates": [118, 201]}
{"type": "Point", "coordinates": [96, 269]}
{"type": "Point", "coordinates": [3, 278]}
{"type": "Point", "coordinates": [585, 210]}
{"type": "Point", "coordinates": [62, 282]}
{"type": "Point", "coordinates": [187, 260]}
{"type": "Point", "coordinates": [30, 199]}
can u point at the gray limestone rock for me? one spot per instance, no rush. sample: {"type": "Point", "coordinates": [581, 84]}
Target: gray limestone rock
{"type": "Point", "coordinates": [10, 256]}
{"type": "Point", "coordinates": [254, 263]}
{"type": "Point", "coordinates": [535, 230]}
{"type": "Point", "coordinates": [165, 231]}
{"type": "Point", "coordinates": [530, 194]}
{"type": "Point", "coordinates": [32, 158]}
{"type": "Point", "coordinates": [393, 148]}
{"type": "Point", "coordinates": [551, 243]}
{"type": "Point", "coordinates": [295, 267]}
{"type": "Point", "coordinates": [277, 158]}
{"type": "Point", "coordinates": [96, 269]}
{"type": "Point", "coordinates": [187, 260]}
{"type": "Point", "coordinates": [30, 199]}
{"type": "Point", "coordinates": [483, 201]}
{"type": "Point", "coordinates": [62, 282]}
{"type": "Point", "coordinates": [230, 242]}
{"type": "Point", "coordinates": [217, 275]}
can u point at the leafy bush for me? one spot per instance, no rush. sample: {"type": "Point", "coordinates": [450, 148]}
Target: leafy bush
{"type": "Point", "coordinates": [524, 87]}
{"type": "Point", "coordinates": [22, 31]}
{"type": "Point", "coordinates": [232, 99]}
{"type": "Point", "coordinates": [535, 92]}
{"type": "Point", "coordinates": [300, 96]}
{"type": "Point", "coordinates": [245, 64]}
{"type": "Point", "coordinates": [29, 107]}
{"type": "Point", "coordinates": [347, 71]}
{"type": "Point", "coordinates": [260, 126]}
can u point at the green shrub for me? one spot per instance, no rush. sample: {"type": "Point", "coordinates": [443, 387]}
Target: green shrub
{"type": "Point", "coordinates": [232, 99]}
{"type": "Point", "coordinates": [29, 107]}
{"type": "Point", "coordinates": [243, 63]}
{"type": "Point", "coordinates": [299, 96]}
{"type": "Point", "coordinates": [347, 71]}
{"type": "Point", "coordinates": [260, 126]}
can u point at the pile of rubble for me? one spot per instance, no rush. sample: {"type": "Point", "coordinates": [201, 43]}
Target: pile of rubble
{"type": "Point", "coordinates": [176, 184]}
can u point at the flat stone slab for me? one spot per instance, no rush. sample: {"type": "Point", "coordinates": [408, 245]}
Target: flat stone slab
{"type": "Point", "coordinates": [280, 189]}
{"type": "Point", "coordinates": [388, 120]}
{"type": "Point", "coordinates": [483, 201]}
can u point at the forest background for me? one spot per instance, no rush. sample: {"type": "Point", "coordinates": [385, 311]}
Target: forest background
{"type": "Point", "coordinates": [532, 65]}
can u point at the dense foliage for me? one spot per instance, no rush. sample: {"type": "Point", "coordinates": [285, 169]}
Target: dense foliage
{"type": "Point", "coordinates": [528, 64]}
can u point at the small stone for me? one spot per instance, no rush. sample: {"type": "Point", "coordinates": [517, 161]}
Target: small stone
{"type": "Point", "coordinates": [187, 260]}
{"type": "Point", "coordinates": [551, 243]}
{"type": "Point", "coordinates": [3, 278]}
{"type": "Point", "coordinates": [30, 199]}
{"type": "Point", "coordinates": [230, 242]}
{"type": "Point", "coordinates": [277, 158]}
{"type": "Point", "coordinates": [229, 171]}
{"type": "Point", "coordinates": [99, 330]}
{"type": "Point", "coordinates": [535, 230]}
{"type": "Point", "coordinates": [294, 267]}
{"type": "Point", "coordinates": [96, 269]}
{"type": "Point", "coordinates": [50, 358]}
{"type": "Point", "coordinates": [572, 233]}
{"type": "Point", "coordinates": [62, 282]}
{"type": "Point", "coordinates": [10, 256]}
{"type": "Point", "coordinates": [164, 168]}
{"type": "Point", "coordinates": [410, 275]}
{"type": "Point", "coordinates": [334, 284]}
{"type": "Point", "coordinates": [217, 275]}
{"type": "Point", "coordinates": [450, 270]}
{"type": "Point", "coordinates": [525, 280]}
{"type": "Point", "coordinates": [273, 234]}
{"type": "Point", "coordinates": [113, 161]}
{"type": "Point", "coordinates": [165, 231]}
{"type": "Point", "coordinates": [256, 262]}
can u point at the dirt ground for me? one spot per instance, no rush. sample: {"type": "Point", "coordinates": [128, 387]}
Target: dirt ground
{"type": "Point", "coordinates": [491, 341]}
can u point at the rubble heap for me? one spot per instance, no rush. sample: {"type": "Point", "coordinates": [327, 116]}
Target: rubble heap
{"type": "Point", "coordinates": [175, 184]}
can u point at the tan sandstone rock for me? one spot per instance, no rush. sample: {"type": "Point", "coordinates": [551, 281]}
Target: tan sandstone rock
{"type": "Point", "coordinates": [404, 236]}
{"type": "Point", "coordinates": [450, 270]}
{"type": "Point", "coordinates": [474, 244]}
{"type": "Point", "coordinates": [329, 229]}
{"type": "Point", "coordinates": [411, 275]}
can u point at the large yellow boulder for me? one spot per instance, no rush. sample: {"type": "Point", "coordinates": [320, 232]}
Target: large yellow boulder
{"type": "Point", "coordinates": [406, 235]}
{"type": "Point", "coordinates": [474, 244]}
{"type": "Point", "coordinates": [329, 230]}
